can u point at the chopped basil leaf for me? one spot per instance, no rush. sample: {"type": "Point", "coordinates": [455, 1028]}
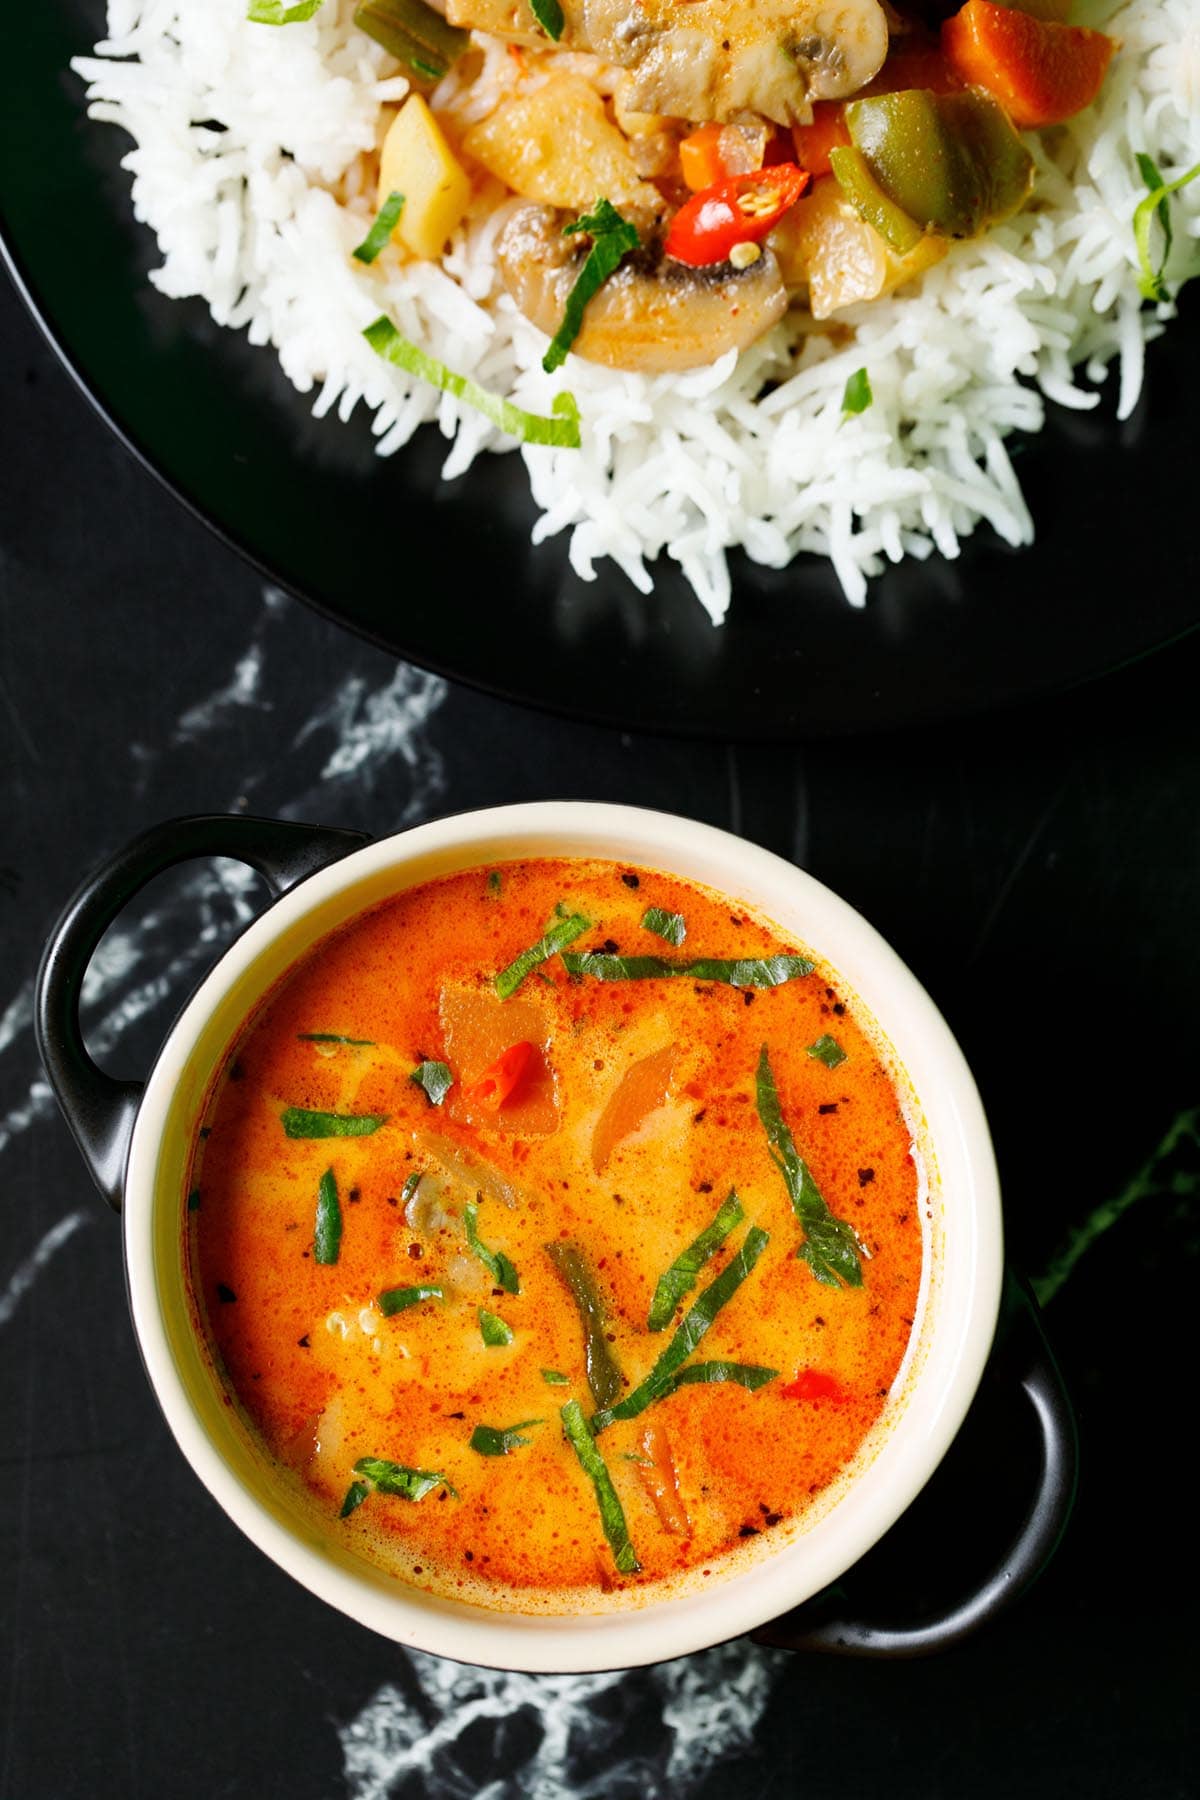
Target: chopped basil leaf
{"type": "Point", "coordinates": [356, 1493]}
{"type": "Point", "coordinates": [683, 1273]}
{"type": "Point", "coordinates": [435, 1078]}
{"type": "Point", "coordinates": [747, 1375]}
{"type": "Point", "coordinates": [386, 220]}
{"type": "Point", "coordinates": [560, 931]}
{"type": "Point", "coordinates": [662, 1378]}
{"type": "Point", "coordinates": [857, 396]}
{"type": "Point", "coordinates": [299, 1122]}
{"type": "Point", "coordinates": [668, 926]}
{"type": "Point", "coordinates": [1157, 204]}
{"type": "Point", "coordinates": [274, 12]}
{"type": "Point", "coordinates": [827, 1050]}
{"type": "Point", "coordinates": [531, 428]}
{"type": "Point", "coordinates": [327, 1238]}
{"type": "Point", "coordinates": [554, 1378]}
{"type": "Point", "coordinates": [604, 1377]}
{"type": "Point", "coordinates": [399, 1299]}
{"type": "Point", "coordinates": [496, 1440]}
{"type": "Point", "coordinates": [612, 239]}
{"type": "Point", "coordinates": [334, 1037]}
{"type": "Point", "coordinates": [495, 1333]}
{"type": "Point", "coordinates": [612, 1513]}
{"type": "Point", "coordinates": [494, 881]}
{"type": "Point", "coordinates": [413, 33]}
{"type": "Point", "coordinates": [549, 15]}
{"type": "Point", "coordinates": [742, 972]}
{"type": "Point", "coordinates": [830, 1248]}
{"type": "Point", "coordinates": [398, 1479]}
{"type": "Point", "coordinates": [495, 1262]}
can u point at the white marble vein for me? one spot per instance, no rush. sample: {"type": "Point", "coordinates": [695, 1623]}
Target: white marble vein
{"type": "Point", "coordinates": [709, 1707]}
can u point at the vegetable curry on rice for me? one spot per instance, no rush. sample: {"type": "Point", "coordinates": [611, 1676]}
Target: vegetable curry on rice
{"type": "Point", "coordinates": [556, 1227]}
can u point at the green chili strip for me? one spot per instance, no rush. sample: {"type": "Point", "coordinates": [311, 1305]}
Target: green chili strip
{"type": "Point", "coordinates": [379, 236]}
{"type": "Point", "coordinates": [299, 1122]}
{"type": "Point", "coordinates": [327, 1238]}
{"type": "Point", "coordinates": [661, 1379]}
{"type": "Point", "coordinates": [494, 1332]}
{"type": "Point", "coordinates": [435, 1079]}
{"type": "Point", "coordinates": [612, 1513]}
{"type": "Point", "coordinates": [274, 12]}
{"type": "Point", "coordinates": [531, 428]}
{"type": "Point", "coordinates": [1157, 205]}
{"type": "Point", "coordinates": [497, 1440]}
{"type": "Point", "coordinates": [560, 931]}
{"type": "Point", "coordinates": [398, 1479]}
{"type": "Point", "coordinates": [671, 927]}
{"type": "Point", "coordinates": [414, 34]}
{"type": "Point", "coordinates": [604, 1377]}
{"type": "Point", "coordinates": [356, 1493]}
{"type": "Point", "coordinates": [399, 1299]}
{"type": "Point", "coordinates": [495, 1262]}
{"type": "Point", "coordinates": [827, 1050]}
{"type": "Point", "coordinates": [612, 239]}
{"type": "Point", "coordinates": [684, 1272]}
{"type": "Point", "coordinates": [830, 1248]}
{"type": "Point", "coordinates": [741, 972]}
{"type": "Point", "coordinates": [549, 15]}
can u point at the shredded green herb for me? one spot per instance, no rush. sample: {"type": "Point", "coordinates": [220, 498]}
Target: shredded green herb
{"type": "Point", "coordinates": [299, 1122]}
{"type": "Point", "coordinates": [495, 1262]}
{"type": "Point", "coordinates": [379, 236]}
{"type": "Point", "coordinates": [560, 931]}
{"type": "Point", "coordinates": [274, 12]}
{"type": "Point", "coordinates": [612, 239]}
{"type": "Point", "coordinates": [412, 1183]}
{"type": "Point", "coordinates": [496, 1440]}
{"type": "Point", "coordinates": [857, 395]}
{"type": "Point", "coordinates": [327, 1238]}
{"type": "Point", "coordinates": [662, 1378]}
{"type": "Point", "coordinates": [549, 15]}
{"type": "Point", "coordinates": [741, 972]}
{"type": "Point", "coordinates": [829, 1247]}
{"type": "Point", "coordinates": [494, 881]}
{"type": "Point", "coordinates": [612, 1513]}
{"type": "Point", "coordinates": [554, 1377]}
{"type": "Point", "coordinates": [684, 1272]}
{"type": "Point", "coordinates": [435, 1079]}
{"type": "Point", "coordinates": [747, 1375]}
{"type": "Point", "coordinates": [604, 1377]}
{"type": "Point", "coordinates": [668, 926]}
{"type": "Point", "coordinates": [532, 428]}
{"type": "Point", "coordinates": [356, 1493]}
{"type": "Point", "coordinates": [398, 1479]}
{"type": "Point", "coordinates": [334, 1037]}
{"type": "Point", "coordinates": [494, 1332]}
{"type": "Point", "coordinates": [398, 1299]}
{"type": "Point", "coordinates": [827, 1050]}
{"type": "Point", "coordinates": [1157, 205]}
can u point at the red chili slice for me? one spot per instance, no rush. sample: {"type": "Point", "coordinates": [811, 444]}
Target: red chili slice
{"type": "Point", "coordinates": [738, 211]}
{"type": "Point", "coordinates": [814, 1384]}
{"type": "Point", "coordinates": [500, 1078]}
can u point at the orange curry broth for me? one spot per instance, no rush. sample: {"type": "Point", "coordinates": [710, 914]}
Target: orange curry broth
{"type": "Point", "coordinates": [327, 1379]}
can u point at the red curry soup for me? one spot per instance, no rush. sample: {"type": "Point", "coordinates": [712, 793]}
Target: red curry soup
{"type": "Point", "coordinates": [556, 1229]}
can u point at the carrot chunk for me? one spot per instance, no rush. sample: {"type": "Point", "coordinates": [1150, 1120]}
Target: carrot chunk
{"type": "Point", "coordinates": [700, 161]}
{"type": "Point", "coordinates": [644, 1086]}
{"type": "Point", "coordinates": [1040, 72]}
{"type": "Point", "coordinates": [814, 142]}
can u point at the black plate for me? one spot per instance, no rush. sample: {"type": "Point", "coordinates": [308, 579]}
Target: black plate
{"type": "Point", "coordinates": [445, 575]}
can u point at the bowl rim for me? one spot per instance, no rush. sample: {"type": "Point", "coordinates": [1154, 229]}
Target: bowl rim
{"type": "Point", "coordinates": [955, 1344]}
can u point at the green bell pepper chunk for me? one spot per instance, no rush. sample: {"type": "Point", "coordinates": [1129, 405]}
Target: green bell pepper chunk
{"type": "Point", "coordinates": [950, 163]}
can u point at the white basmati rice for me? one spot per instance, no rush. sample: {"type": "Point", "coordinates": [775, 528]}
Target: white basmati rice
{"type": "Point", "coordinates": [251, 166]}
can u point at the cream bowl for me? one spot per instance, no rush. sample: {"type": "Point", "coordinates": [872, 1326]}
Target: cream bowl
{"type": "Point", "coordinates": [137, 1141]}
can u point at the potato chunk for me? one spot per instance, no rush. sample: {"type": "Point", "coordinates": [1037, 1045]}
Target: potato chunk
{"type": "Point", "coordinates": [417, 162]}
{"type": "Point", "coordinates": [557, 145]}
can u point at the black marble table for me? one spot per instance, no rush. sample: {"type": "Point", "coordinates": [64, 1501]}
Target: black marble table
{"type": "Point", "coordinates": [1041, 873]}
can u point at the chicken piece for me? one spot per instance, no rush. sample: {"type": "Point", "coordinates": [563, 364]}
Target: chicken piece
{"type": "Point", "coordinates": [710, 59]}
{"type": "Point", "coordinates": [654, 314]}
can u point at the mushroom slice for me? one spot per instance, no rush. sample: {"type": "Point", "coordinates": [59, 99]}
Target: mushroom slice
{"type": "Point", "coordinates": [653, 314]}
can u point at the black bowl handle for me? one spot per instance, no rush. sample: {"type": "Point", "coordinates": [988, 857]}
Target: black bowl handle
{"type": "Point", "coordinates": [100, 1110]}
{"type": "Point", "coordinates": [1021, 1355]}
